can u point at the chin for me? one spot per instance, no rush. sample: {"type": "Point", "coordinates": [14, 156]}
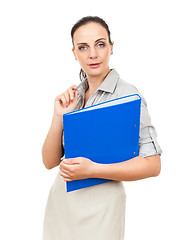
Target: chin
{"type": "Point", "coordinates": [96, 71]}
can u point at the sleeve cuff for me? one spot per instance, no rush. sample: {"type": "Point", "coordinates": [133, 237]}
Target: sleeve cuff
{"type": "Point", "coordinates": [149, 146]}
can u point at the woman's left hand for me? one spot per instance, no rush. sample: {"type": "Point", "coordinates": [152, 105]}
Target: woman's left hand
{"type": "Point", "coordinates": [76, 168]}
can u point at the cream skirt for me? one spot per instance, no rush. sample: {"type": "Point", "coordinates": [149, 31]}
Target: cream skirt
{"type": "Point", "coordinates": [93, 213]}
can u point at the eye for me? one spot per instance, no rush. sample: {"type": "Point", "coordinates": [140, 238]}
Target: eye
{"type": "Point", "coordinates": [82, 47]}
{"type": "Point", "coordinates": [101, 45]}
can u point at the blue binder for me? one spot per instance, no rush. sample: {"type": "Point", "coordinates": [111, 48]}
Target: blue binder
{"type": "Point", "coordinates": [105, 133]}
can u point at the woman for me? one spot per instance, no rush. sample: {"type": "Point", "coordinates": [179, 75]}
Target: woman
{"type": "Point", "coordinates": [96, 212]}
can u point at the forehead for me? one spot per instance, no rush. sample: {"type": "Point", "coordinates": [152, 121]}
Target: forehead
{"type": "Point", "coordinates": [90, 32]}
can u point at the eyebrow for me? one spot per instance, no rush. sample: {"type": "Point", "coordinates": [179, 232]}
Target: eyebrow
{"type": "Point", "coordinates": [95, 41]}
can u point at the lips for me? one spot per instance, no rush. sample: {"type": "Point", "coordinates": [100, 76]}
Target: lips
{"type": "Point", "coordinates": [94, 65]}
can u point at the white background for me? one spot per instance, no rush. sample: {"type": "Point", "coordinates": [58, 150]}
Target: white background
{"type": "Point", "coordinates": [37, 64]}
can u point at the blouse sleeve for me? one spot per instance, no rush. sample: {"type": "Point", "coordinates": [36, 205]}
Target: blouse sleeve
{"type": "Point", "coordinates": [148, 144]}
{"type": "Point", "coordinates": [63, 146]}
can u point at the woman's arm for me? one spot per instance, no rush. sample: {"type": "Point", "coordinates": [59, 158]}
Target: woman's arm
{"type": "Point", "coordinates": [134, 169]}
{"type": "Point", "coordinates": [52, 149]}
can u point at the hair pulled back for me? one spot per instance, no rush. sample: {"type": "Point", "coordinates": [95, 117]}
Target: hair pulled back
{"type": "Point", "coordinates": [84, 21]}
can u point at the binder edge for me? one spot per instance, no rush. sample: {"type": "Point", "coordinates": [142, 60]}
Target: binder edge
{"type": "Point", "coordinates": [79, 110]}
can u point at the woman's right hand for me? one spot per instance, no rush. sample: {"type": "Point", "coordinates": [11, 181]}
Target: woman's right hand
{"type": "Point", "coordinates": [66, 102]}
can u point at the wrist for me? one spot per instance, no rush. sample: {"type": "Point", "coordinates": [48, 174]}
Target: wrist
{"type": "Point", "coordinates": [57, 117]}
{"type": "Point", "coordinates": [96, 169]}
{"type": "Point", "coordinates": [57, 122]}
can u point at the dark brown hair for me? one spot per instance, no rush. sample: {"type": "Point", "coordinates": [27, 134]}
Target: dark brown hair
{"type": "Point", "coordinates": [84, 21]}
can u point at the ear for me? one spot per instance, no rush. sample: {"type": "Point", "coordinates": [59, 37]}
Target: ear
{"type": "Point", "coordinates": [74, 53]}
{"type": "Point", "coordinates": [112, 48]}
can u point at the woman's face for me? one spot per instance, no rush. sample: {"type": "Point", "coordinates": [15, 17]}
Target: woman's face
{"type": "Point", "coordinates": [92, 48]}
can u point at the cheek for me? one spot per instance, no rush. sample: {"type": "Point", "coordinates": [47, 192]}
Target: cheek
{"type": "Point", "coordinates": [105, 54]}
{"type": "Point", "coordinates": [82, 58]}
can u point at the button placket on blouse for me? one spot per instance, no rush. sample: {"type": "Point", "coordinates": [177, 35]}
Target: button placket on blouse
{"type": "Point", "coordinates": [91, 100]}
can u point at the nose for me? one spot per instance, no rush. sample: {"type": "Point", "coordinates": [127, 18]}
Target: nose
{"type": "Point", "coordinates": [93, 53]}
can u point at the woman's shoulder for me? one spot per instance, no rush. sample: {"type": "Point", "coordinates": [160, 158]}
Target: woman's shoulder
{"type": "Point", "coordinates": [125, 87]}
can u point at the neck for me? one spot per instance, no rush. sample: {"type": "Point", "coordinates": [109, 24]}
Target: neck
{"type": "Point", "coordinates": [95, 81]}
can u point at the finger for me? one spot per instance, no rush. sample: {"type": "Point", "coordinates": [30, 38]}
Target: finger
{"type": "Point", "coordinates": [64, 170]}
{"type": "Point", "coordinates": [71, 94]}
{"type": "Point", "coordinates": [73, 87]}
{"type": "Point", "coordinates": [73, 90]}
{"type": "Point", "coordinates": [63, 100]}
{"type": "Point", "coordinates": [67, 179]}
{"type": "Point", "coordinates": [67, 161]}
{"type": "Point", "coordinates": [60, 98]}
{"type": "Point", "coordinates": [66, 94]}
{"type": "Point", "coordinates": [67, 167]}
{"type": "Point", "coordinates": [64, 175]}
{"type": "Point", "coordinates": [64, 166]}
{"type": "Point", "coordinates": [71, 161]}
{"type": "Point", "coordinates": [76, 94]}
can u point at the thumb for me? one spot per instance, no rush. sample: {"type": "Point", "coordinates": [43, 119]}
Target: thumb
{"type": "Point", "coordinates": [71, 161]}
{"type": "Point", "coordinates": [76, 93]}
